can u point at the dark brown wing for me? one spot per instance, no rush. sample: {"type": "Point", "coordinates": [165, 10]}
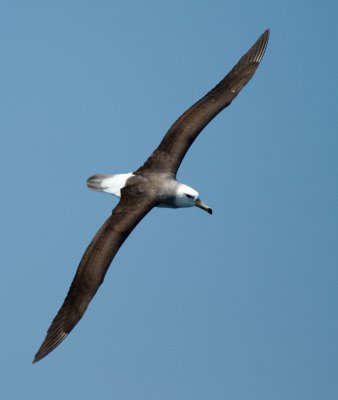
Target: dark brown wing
{"type": "Point", "coordinates": [93, 267]}
{"type": "Point", "coordinates": [171, 151]}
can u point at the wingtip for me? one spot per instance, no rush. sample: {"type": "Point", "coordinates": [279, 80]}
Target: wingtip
{"type": "Point", "coordinates": [266, 35]}
{"type": "Point", "coordinates": [38, 357]}
{"type": "Point", "coordinates": [257, 51]}
{"type": "Point", "coordinates": [48, 345]}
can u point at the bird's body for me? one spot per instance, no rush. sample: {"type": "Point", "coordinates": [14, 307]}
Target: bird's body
{"type": "Point", "coordinates": [152, 185]}
{"type": "Point", "coordinates": [161, 187]}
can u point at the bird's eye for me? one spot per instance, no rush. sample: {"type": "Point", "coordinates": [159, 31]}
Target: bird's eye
{"type": "Point", "coordinates": [189, 196]}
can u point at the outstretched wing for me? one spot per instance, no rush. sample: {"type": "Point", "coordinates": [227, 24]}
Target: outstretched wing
{"type": "Point", "coordinates": [93, 267]}
{"type": "Point", "coordinates": [171, 151]}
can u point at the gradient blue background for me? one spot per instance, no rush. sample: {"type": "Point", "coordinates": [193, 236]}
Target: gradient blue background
{"type": "Point", "coordinates": [239, 305]}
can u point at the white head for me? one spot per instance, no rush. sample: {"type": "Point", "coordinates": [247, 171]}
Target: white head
{"type": "Point", "coordinates": [185, 196]}
{"type": "Point", "coordinates": [189, 197]}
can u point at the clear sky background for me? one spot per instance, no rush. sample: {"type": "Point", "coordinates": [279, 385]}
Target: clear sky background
{"type": "Point", "coordinates": [238, 305]}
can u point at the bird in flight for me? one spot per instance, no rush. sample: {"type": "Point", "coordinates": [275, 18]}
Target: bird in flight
{"type": "Point", "coordinates": [152, 185]}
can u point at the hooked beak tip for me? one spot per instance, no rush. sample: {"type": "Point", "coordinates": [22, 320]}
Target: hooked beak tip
{"type": "Point", "coordinates": [199, 203]}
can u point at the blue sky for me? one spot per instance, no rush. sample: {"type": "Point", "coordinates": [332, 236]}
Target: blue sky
{"type": "Point", "coordinates": [239, 305]}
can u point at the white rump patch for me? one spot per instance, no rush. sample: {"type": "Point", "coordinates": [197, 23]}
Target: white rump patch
{"type": "Point", "coordinates": [108, 183]}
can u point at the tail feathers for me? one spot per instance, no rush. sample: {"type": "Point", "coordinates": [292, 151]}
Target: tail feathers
{"type": "Point", "coordinates": [108, 183]}
{"type": "Point", "coordinates": [97, 182]}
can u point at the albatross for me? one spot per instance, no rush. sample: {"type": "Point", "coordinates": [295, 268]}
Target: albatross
{"type": "Point", "coordinates": [152, 185]}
